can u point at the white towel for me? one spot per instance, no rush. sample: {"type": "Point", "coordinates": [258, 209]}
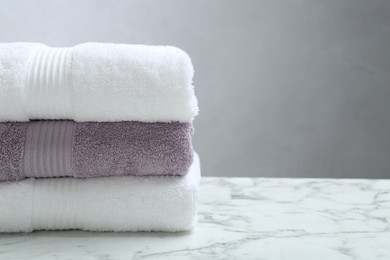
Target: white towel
{"type": "Point", "coordinates": [96, 82]}
{"type": "Point", "coordinates": [101, 204]}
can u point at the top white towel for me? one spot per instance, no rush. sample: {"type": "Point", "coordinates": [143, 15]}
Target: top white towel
{"type": "Point", "coordinates": [96, 82]}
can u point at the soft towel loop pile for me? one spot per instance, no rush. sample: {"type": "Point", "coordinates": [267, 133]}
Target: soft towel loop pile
{"type": "Point", "coordinates": [101, 204]}
{"type": "Point", "coordinates": [93, 149]}
{"type": "Point", "coordinates": [96, 82]}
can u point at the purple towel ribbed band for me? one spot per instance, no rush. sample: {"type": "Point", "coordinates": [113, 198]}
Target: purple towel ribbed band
{"type": "Point", "coordinates": [48, 149]}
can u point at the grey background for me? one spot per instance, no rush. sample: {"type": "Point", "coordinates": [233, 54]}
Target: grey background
{"type": "Point", "coordinates": [286, 88]}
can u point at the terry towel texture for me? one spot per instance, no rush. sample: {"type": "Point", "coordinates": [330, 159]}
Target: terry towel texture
{"type": "Point", "coordinates": [101, 204]}
{"type": "Point", "coordinates": [92, 149]}
{"type": "Point", "coordinates": [96, 82]}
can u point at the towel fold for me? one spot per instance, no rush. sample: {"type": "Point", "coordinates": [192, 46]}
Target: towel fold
{"type": "Point", "coordinates": [96, 82]}
{"type": "Point", "coordinates": [101, 204]}
{"type": "Point", "coordinates": [92, 149]}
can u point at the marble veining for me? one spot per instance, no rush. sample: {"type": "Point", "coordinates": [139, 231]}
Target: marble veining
{"type": "Point", "coordinates": [244, 218]}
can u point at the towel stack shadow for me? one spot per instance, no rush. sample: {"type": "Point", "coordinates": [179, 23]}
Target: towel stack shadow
{"type": "Point", "coordinates": [97, 137]}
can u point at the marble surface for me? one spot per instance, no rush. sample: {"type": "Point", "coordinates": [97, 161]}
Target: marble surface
{"type": "Point", "coordinates": [244, 218]}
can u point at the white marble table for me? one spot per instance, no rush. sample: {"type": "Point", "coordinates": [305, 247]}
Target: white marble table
{"type": "Point", "coordinates": [244, 218]}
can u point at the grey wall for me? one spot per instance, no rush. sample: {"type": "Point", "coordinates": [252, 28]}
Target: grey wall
{"type": "Point", "coordinates": [286, 88]}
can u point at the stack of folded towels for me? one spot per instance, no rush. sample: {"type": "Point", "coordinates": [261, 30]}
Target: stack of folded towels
{"type": "Point", "coordinates": [97, 137]}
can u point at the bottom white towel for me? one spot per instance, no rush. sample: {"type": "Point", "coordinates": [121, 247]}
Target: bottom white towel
{"type": "Point", "coordinates": [130, 203]}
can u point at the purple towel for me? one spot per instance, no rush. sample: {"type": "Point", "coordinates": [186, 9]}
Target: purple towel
{"type": "Point", "coordinates": [91, 149]}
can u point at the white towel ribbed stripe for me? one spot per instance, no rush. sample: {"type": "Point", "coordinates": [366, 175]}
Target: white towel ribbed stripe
{"type": "Point", "coordinates": [60, 209]}
{"type": "Point", "coordinates": [49, 84]}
